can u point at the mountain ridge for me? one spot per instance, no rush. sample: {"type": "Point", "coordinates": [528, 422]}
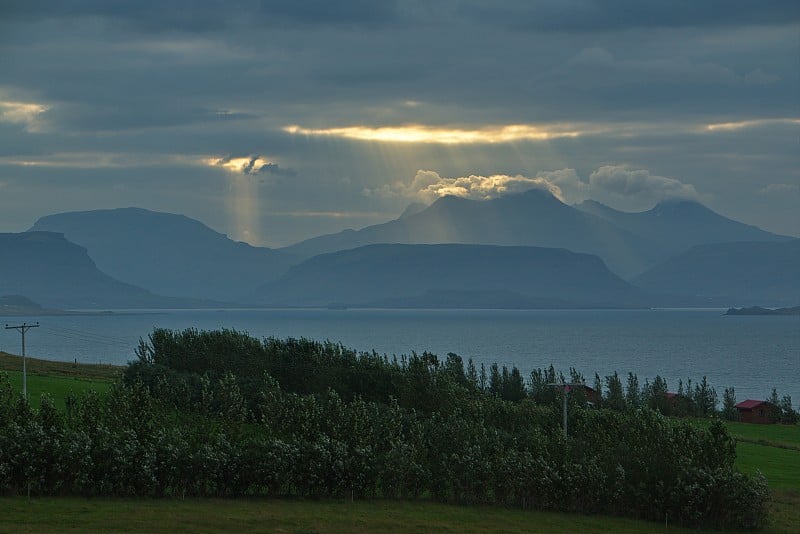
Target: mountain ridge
{"type": "Point", "coordinates": [679, 224]}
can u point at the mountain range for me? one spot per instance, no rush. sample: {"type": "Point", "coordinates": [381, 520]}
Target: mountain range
{"type": "Point", "coordinates": [629, 243]}
{"type": "Point", "coordinates": [521, 250]}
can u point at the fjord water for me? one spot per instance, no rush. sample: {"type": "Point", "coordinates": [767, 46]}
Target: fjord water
{"type": "Point", "coordinates": [751, 353]}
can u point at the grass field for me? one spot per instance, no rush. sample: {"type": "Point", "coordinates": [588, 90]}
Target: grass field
{"type": "Point", "coordinates": [57, 379]}
{"type": "Point", "coordinates": [775, 451]}
{"type": "Point", "coordinates": [277, 515]}
{"type": "Point", "coordinates": [772, 449]}
{"type": "Point", "coordinates": [9, 362]}
{"type": "Point", "coordinates": [775, 435]}
{"type": "Point", "coordinates": [55, 386]}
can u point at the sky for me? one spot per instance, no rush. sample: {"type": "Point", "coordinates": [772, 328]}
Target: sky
{"type": "Point", "coordinates": [273, 121]}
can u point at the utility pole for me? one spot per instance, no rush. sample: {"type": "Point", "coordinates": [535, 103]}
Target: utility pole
{"type": "Point", "coordinates": [24, 327]}
{"type": "Point", "coordinates": [566, 387]}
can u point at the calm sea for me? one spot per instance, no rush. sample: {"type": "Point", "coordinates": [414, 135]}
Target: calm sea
{"type": "Point", "coordinates": [753, 354]}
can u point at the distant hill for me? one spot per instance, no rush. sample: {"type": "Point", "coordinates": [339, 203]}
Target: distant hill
{"type": "Point", "coordinates": [758, 310]}
{"type": "Point", "coordinates": [677, 225]}
{"type": "Point", "coordinates": [532, 218]}
{"type": "Point", "coordinates": [18, 305]}
{"type": "Point", "coordinates": [54, 272]}
{"type": "Point", "coordinates": [168, 254]}
{"type": "Point", "coordinates": [744, 274]}
{"type": "Point", "coordinates": [451, 276]}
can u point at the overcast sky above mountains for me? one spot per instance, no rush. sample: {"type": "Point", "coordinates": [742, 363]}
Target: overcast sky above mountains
{"type": "Point", "coordinates": [277, 120]}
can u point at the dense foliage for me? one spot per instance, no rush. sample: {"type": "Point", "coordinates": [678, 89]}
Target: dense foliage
{"type": "Point", "coordinates": [225, 415]}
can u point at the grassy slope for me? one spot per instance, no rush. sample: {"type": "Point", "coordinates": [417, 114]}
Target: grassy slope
{"type": "Point", "coordinates": [9, 362]}
{"type": "Point", "coordinates": [57, 387]}
{"type": "Point", "coordinates": [775, 435]}
{"type": "Point", "coordinates": [57, 378]}
{"type": "Point", "coordinates": [773, 449]}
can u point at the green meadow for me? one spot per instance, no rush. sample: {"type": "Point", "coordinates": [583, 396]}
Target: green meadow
{"type": "Point", "coordinates": [277, 515]}
{"type": "Point", "coordinates": [57, 379]}
{"type": "Point", "coordinates": [772, 449]}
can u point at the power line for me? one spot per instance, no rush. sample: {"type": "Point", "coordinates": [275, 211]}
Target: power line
{"type": "Point", "coordinates": [24, 327]}
{"type": "Point", "coordinates": [87, 335]}
{"type": "Point", "coordinates": [115, 344]}
{"type": "Point", "coordinates": [88, 338]}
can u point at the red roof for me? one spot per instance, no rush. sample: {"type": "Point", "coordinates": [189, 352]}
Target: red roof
{"type": "Point", "coordinates": [749, 404]}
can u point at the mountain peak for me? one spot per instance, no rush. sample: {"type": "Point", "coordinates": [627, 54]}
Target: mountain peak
{"type": "Point", "coordinates": [450, 200]}
{"type": "Point", "coordinates": [679, 205]}
{"type": "Point", "coordinates": [535, 192]}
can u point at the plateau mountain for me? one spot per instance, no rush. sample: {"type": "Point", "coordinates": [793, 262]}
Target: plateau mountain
{"type": "Point", "coordinates": [397, 275]}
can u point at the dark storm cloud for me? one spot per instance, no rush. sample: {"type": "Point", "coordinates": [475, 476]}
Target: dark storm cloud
{"type": "Point", "coordinates": [251, 165]}
{"type": "Point", "coordinates": [608, 15]}
{"type": "Point", "coordinates": [99, 117]}
{"type": "Point", "coordinates": [276, 170]}
{"type": "Point", "coordinates": [210, 15]}
{"type": "Point", "coordinates": [539, 15]}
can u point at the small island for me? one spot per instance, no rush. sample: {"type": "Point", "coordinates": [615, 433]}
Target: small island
{"type": "Point", "coordinates": [758, 310]}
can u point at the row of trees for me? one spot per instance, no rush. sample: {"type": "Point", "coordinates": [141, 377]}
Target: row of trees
{"type": "Point", "coordinates": [140, 440]}
{"type": "Point", "coordinates": [421, 382]}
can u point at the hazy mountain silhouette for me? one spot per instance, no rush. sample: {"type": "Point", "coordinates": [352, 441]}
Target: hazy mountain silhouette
{"type": "Point", "coordinates": [168, 254]}
{"type": "Point", "coordinates": [19, 305]}
{"type": "Point", "coordinates": [754, 273]}
{"type": "Point", "coordinates": [504, 276]}
{"type": "Point", "coordinates": [676, 225]}
{"type": "Point", "coordinates": [412, 209]}
{"type": "Point", "coordinates": [45, 267]}
{"type": "Point", "coordinates": [532, 218]}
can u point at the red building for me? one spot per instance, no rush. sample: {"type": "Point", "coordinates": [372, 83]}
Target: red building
{"type": "Point", "coordinates": [756, 411]}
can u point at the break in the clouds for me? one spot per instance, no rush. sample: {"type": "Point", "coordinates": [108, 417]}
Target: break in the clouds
{"type": "Point", "coordinates": [28, 114]}
{"type": "Point", "coordinates": [269, 120]}
{"type": "Point", "coordinates": [249, 165]}
{"type": "Point", "coordinates": [418, 133]}
{"type": "Point", "coordinates": [428, 185]}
